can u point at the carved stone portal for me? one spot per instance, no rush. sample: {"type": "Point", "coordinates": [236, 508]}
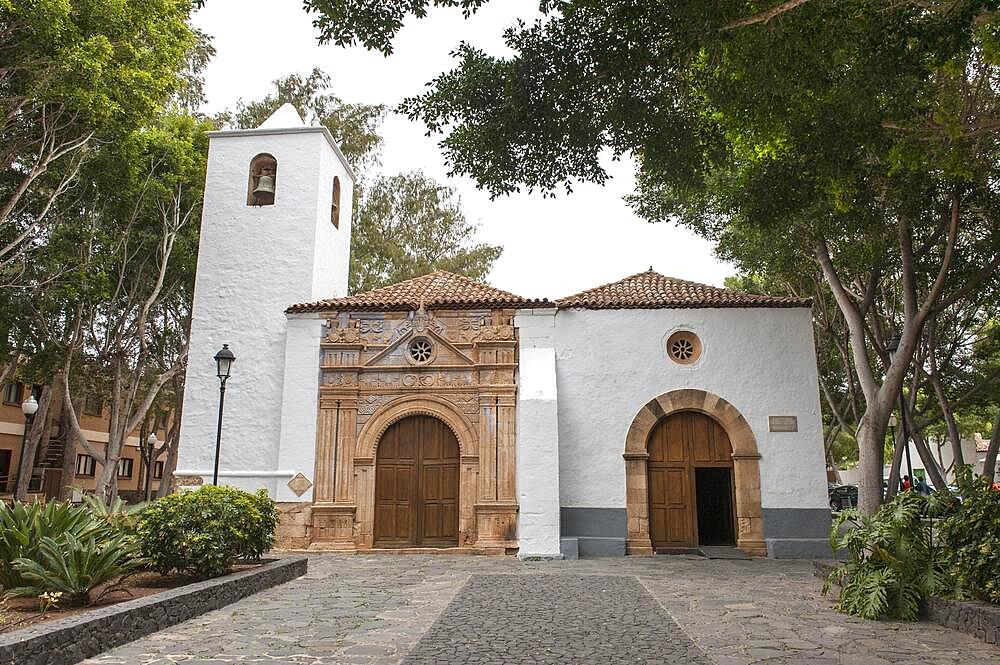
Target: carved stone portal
{"type": "Point", "coordinates": [464, 376]}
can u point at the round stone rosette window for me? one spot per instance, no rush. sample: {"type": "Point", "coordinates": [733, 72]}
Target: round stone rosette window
{"type": "Point", "coordinates": [420, 350]}
{"type": "Point", "coordinates": [684, 347]}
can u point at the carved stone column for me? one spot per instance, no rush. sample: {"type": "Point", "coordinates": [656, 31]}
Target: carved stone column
{"type": "Point", "coordinates": [637, 500]}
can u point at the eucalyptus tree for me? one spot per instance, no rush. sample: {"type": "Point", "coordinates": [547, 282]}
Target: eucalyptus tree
{"type": "Point", "coordinates": [857, 135]}
{"type": "Point", "coordinates": [72, 75]}
{"type": "Point", "coordinates": [128, 324]}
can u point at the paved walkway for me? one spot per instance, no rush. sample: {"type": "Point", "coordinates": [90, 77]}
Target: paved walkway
{"type": "Point", "coordinates": [464, 609]}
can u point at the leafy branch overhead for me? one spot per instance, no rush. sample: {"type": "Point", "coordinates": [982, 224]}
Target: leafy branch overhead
{"type": "Point", "coordinates": [847, 150]}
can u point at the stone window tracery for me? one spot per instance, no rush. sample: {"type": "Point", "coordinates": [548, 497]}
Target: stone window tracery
{"type": "Point", "coordinates": [421, 350]}
{"type": "Point", "coordinates": [684, 347]}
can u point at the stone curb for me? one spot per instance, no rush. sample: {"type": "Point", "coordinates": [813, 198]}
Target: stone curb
{"type": "Point", "coordinates": [70, 640]}
{"type": "Point", "coordinates": [976, 618]}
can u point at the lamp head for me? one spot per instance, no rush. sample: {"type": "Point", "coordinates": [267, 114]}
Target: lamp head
{"type": "Point", "coordinates": [224, 360]}
{"type": "Point", "coordinates": [29, 406]}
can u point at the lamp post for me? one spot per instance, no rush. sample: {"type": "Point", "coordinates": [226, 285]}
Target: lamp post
{"type": "Point", "coordinates": [891, 348]}
{"type": "Point", "coordinates": [28, 407]}
{"type": "Point", "coordinates": [223, 365]}
{"type": "Point", "coordinates": [149, 448]}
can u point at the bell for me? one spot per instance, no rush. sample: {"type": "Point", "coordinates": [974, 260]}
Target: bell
{"type": "Point", "coordinates": [265, 185]}
{"type": "Point", "coordinates": [264, 191]}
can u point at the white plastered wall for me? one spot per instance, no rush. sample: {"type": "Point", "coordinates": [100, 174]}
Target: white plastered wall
{"type": "Point", "coordinates": [537, 436]}
{"type": "Point", "coordinates": [609, 363]}
{"type": "Point", "coordinates": [253, 263]}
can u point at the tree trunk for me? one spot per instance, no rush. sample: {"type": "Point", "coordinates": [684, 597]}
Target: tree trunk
{"type": "Point", "coordinates": [949, 418]}
{"type": "Point", "coordinates": [930, 464]}
{"type": "Point", "coordinates": [897, 461]}
{"type": "Point", "coordinates": [69, 457]}
{"type": "Point", "coordinates": [871, 452]}
{"type": "Point", "coordinates": [27, 457]}
{"type": "Point", "coordinates": [990, 463]}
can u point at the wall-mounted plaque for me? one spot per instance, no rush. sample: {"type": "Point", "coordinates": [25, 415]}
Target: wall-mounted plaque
{"type": "Point", "coordinates": [783, 423]}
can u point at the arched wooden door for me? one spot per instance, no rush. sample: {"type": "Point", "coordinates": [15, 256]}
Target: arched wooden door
{"type": "Point", "coordinates": [416, 485]}
{"type": "Point", "coordinates": [691, 488]}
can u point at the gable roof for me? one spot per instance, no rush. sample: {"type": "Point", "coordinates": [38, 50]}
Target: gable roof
{"type": "Point", "coordinates": [436, 290]}
{"type": "Point", "coordinates": [651, 290]}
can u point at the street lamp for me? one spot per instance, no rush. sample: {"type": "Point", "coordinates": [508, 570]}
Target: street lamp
{"type": "Point", "coordinates": [891, 347]}
{"type": "Point", "coordinates": [29, 408]}
{"type": "Point", "coordinates": [224, 360]}
{"type": "Point", "coordinates": [149, 448]}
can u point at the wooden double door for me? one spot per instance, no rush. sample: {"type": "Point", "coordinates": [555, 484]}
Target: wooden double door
{"type": "Point", "coordinates": [691, 488]}
{"type": "Point", "coordinates": [416, 485]}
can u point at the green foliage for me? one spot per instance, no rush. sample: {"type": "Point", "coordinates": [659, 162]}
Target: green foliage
{"type": "Point", "coordinates": [206, 531]}
{"type": "Point", "coordinates": [24, 526]}
{"type": "Point", "coordinates": [354, 126]}
{"type": "Point", "coordinates": [408, 225]}
{"type": "Point", "coordinates": [891, 564]}
{"type": "Point", "coordinates": [74, 567]}
{"type": "Point", "coordinates": [347, 22]}
{"type": "Point", "coordinates": [969, 538]}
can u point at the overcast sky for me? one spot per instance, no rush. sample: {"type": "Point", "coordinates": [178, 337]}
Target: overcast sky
{"type": "Point", "coordinates": [552, 247]}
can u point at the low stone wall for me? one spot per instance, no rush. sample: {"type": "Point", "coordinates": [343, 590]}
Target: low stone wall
{"type": "Point", "coordinates": [70, 640]}
{"type": "Point", "coordinates": [976, 618]}
{"type": "Point", "coordinates": [979, 619]}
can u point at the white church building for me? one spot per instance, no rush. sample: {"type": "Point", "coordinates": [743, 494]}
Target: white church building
{"type": "Point", "coordinates": [647, 415]}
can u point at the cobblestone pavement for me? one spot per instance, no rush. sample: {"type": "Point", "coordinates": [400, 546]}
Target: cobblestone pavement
{"type": "Point", "coordinates": [554, 619]}
{"type": "Point", "coordinates": [375, 609]}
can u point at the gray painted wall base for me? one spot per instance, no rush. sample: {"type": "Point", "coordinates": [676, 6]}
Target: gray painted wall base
{"type": "Point", "coordinates": [798, 548]}
{"type": "Point", "coordinates": [590, 546]}
{"type": "Point", "coordinates": [570, 548]}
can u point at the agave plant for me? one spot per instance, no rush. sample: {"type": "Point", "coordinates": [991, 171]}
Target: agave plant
{"type": "Point", "coordinates": [74, 567]}
{"type": "Point", "coordinates": [23, 527]}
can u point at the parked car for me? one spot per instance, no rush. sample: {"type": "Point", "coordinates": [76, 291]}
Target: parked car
{"type": "Point", "coordinates": [842, 496]}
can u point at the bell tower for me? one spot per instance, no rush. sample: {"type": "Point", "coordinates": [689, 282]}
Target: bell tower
{"type": "Point", "coordinates": [275, 231]}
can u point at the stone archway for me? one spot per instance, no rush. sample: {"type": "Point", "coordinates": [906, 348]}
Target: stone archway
{"type": "Point", "coordinates": [746, 467]}
{"type": "Point", "coordinates": [367, 447]}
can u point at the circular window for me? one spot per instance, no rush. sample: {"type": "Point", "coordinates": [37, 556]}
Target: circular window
{"type": "Point", "coordinates": [421, 350]}
{"type": "Point", "coordinates": [684, 347]}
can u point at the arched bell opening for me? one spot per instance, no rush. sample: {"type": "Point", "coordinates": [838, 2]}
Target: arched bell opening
{"type": "Point", "coordinates": [262, 181]}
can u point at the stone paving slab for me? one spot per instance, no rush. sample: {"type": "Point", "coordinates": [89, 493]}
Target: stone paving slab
{"type": "Point", "coordinates": [375, 609]}
{"type": "Point", "coordinates": [548, 619]}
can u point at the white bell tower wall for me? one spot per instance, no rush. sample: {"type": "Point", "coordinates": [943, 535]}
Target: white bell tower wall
{"type": "Point", "coordinates": [255, 261]}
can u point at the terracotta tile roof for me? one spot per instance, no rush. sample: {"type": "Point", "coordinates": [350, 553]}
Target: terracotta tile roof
{"type": "Point", "coordinates": [441, 290]}
{"type": "Point", "coordinates": [651, 290]}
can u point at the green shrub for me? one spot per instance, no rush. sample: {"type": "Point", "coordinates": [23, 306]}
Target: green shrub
{"type": "Point", "coordinates": [23, 527]}
{"type": "Point", "coordinates": [74, 567]}
{"type": "Point", "coordinates": [969, 539]}
{"type": "Point", "coordinates": [891, 564]}
{"type": "Point", "coordinates": [206, 531]}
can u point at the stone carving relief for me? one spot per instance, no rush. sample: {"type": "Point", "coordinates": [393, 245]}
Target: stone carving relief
{"type": "Point", "coordinates": [382, 380]}
{"type": "Point", "coordinates": [466, 403]}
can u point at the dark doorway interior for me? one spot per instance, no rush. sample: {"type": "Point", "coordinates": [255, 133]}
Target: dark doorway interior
{"type": "Point", "coordinates": [714, 490]}
{"type": "Point", "coordinates": [5, 480]}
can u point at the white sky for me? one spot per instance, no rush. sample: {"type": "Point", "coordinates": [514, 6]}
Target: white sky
{"type": "Point", "coordinates": [552, 247]}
